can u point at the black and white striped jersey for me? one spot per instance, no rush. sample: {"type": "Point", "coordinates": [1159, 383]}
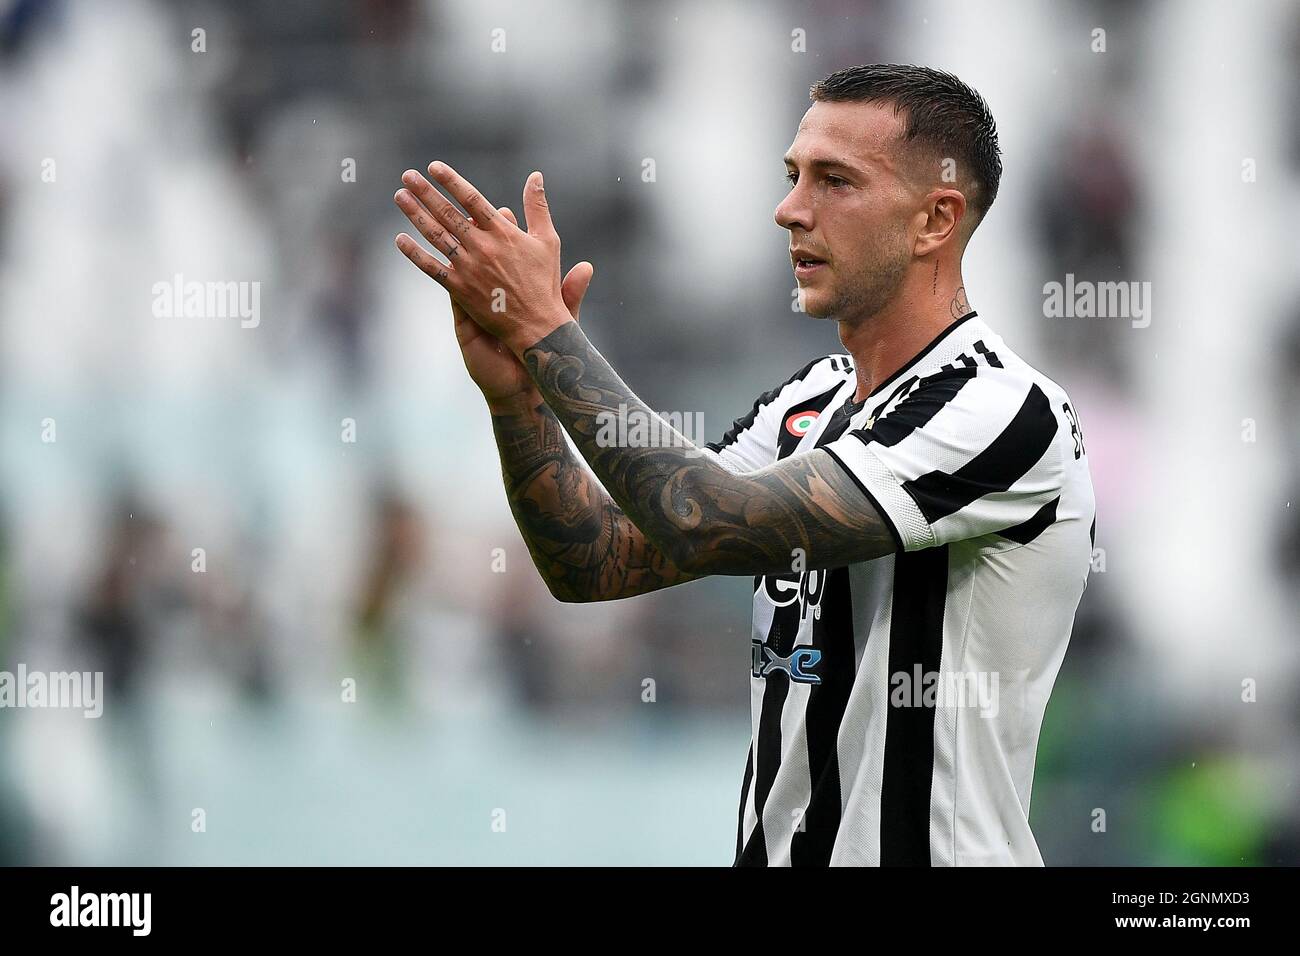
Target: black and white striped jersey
{"type": "Point", "coordinates": [897, 702]}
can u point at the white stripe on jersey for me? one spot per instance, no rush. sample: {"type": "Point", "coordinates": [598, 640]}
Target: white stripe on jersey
{"type": "Point", "coordinates": [976, 461]}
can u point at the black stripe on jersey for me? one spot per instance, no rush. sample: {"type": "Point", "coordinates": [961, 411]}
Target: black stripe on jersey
{"type": "Point", "coordinates": [740, 424]}
{"type": "Point", "coordinates": [1027, 531]}
{"type": "Point", "coordinates": [902, 387]}
{"type": "Point", "coordinates": [744, 795]}
{"type": "Point", "coordinates": [922, 354]}
{"type": "Point", "coordinates": [832, 634]}
{"type": "Point", "coordinates": [990, 357]}
{"type": "Point", "coordinates": [915, 641]}
{"type": "Point", "coordinates": [1092, 532]}
{"type": "Point", "coordinates": [768, 750]}
{"type": "Point", "coordinates": [813, 842]}
{"type": "Point", "coordinates": [963, 358]}
{"type": "Point", "coordinates": [915, 411]}
{"type": "Point", "coordinates": [781, 636]}
{"type": "Point", "coordinates": [999, 466]}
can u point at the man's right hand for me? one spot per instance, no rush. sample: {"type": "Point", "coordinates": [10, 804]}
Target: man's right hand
{"type": "Point", "coordinates": [500, 376]}
{"type": "Point", "coordinates": [584, 546]}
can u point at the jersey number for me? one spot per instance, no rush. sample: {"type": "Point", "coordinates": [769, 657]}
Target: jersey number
{"type": "Point", "coordinates": [1074, 430]}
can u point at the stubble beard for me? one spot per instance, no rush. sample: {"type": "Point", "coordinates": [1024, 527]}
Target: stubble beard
{"type": "Point", "coordinates": [862, 294]}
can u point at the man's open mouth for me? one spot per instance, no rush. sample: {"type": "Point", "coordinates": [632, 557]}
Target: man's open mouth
{"type": "Point", "coordinates": [807, 264]}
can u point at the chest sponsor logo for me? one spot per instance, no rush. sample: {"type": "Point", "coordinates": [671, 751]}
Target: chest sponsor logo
{"type": "Point", "coordinates": [805, 589]}
{"type": "Point", "coordinates": [804, 592]}
{"type": "Point", "coordinates": [800, 666]}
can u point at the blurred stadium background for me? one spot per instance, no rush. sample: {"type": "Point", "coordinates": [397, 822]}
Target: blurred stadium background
{"type": "Point", "coordinates": [126, 157]}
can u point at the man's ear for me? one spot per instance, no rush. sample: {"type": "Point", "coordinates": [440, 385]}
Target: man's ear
{"type": "Point", "coordinates": [945, 209]}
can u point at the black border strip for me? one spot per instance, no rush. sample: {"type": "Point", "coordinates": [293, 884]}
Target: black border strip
{"type": "Point", "coordinates": [889, 522]}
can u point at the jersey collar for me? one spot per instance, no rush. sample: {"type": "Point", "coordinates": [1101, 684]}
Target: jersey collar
{"type": "Point", "coordinates": [910, 363]}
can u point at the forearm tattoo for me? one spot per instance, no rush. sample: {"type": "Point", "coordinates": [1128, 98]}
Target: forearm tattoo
{"type": "Point", "coordinates": [584, 546]}
{"type": "Point", "coordinates": [707, 519]}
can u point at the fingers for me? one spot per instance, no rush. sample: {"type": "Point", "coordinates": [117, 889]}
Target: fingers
{"type": "Point", "coordinates": [438, 204]}
{"type": "Point", "coordinates": [470, 199]}
{"type": "Point", "coordinates": [448, 229]}
{"type": "Point", "coordinates": [536, 211]}
{"type": "Point", "coordinates": [429, 227]}
{"type": "Point", "coordinates": [575, 286]}
{"type": "Point", "coordinates": [425, 262]}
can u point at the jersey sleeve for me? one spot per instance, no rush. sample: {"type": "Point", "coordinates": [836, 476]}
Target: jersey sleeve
{"type": "Point", "coordinates": [968, 452]}
{"type": "Point", "coordinates": [751, 442]}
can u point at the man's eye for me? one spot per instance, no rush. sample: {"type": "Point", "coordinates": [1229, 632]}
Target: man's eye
{"type": "Point", "coordinates": [836, 181]}
{"type": "Point", "coordinates": [791, 178]}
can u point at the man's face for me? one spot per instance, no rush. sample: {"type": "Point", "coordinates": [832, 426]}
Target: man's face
{"type": "Point", "coordinates": [850, 208]}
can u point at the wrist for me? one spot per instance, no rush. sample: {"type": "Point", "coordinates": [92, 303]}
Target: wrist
{"type": "Point", "coordinates": [534, 331]}
{"type": "Point", "coordinates": [520, 403]}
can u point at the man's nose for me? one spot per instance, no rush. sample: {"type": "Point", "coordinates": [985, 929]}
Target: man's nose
{"type": "Point", "coordinates": [792, 212]}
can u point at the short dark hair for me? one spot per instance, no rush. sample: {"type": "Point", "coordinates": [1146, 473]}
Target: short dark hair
{"type": "Point", "coordinates": [942, 113]}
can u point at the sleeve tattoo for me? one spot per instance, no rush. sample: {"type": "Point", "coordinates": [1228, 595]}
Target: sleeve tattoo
{"type": "Point", "coordinates": [584, 546]}
{"type": "Point", "coordinates": [704, 518]}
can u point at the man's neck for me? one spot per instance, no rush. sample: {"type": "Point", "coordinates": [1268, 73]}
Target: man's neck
{"type": "Point", "coordinates": [883, 343]}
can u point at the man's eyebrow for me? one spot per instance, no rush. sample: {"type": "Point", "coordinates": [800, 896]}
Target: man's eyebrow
{"type": "Point", "coordinates": [825, 163]}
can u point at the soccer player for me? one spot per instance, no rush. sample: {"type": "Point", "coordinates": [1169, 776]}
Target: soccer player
{"type": "Point", "coordinates": [916, 513]}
